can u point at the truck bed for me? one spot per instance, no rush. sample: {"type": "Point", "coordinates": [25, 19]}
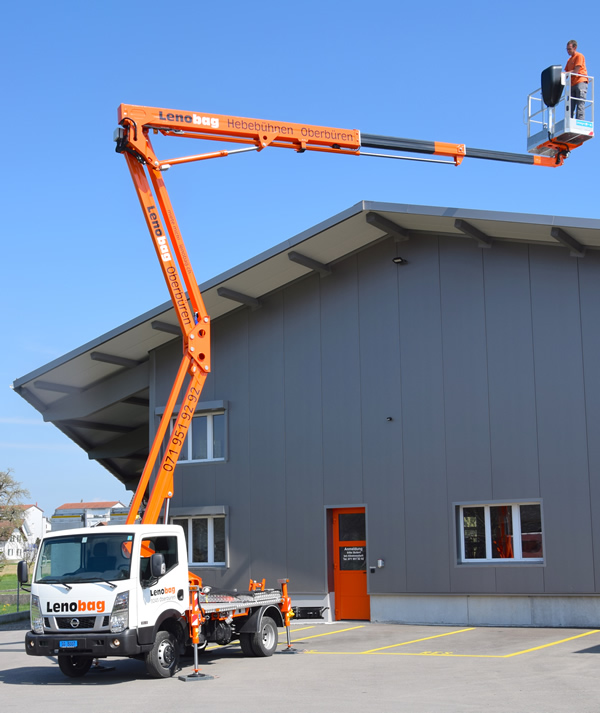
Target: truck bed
{"type": "Point", "coordinates": [230, 601]}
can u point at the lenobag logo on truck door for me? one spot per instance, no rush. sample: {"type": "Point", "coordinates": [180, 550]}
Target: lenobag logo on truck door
{"type": "Point", "coordinates": [162, 594]}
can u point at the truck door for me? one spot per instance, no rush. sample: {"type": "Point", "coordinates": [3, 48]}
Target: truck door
{"type": "Point", "coordinates": [168, 592]}
{"type": "Point", "coordinates": [350, 564]}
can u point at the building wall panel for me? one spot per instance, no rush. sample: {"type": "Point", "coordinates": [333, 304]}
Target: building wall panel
{"type": "Point", "coordinates": [564, 475]}
{"type": "Point", "coordinates": [427, 515]}
{"type": "Point", "coordinates": [267, 440]}
{"type": "Point", "coordinates": [380, 399]}
{"type": "Point", "coordinates": [514, 447]}
{"type": "Point", "coordinates": [519, 579]}
{"type": "Point", "coordinates": [305, 524]}
{"type": "Point", "coordinates": [589, 287]}
{"type": "Point", "coordinates": [232, 485]}
{"type": "Point", "coordinates": [340, 378]}
{"type": "Point", "coordinates": [466, 404]}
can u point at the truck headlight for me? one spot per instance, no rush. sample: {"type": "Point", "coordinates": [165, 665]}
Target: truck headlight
{"type": "Point", "coordinates": [119, 617]}
{"type": "Point", "coordinates": [37, 620]}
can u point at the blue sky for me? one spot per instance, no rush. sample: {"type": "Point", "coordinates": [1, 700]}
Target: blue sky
{"type": "Point", "coordinates": [78, 261]}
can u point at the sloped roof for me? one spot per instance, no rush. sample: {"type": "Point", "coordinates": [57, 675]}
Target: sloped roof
{"type": "Point", "coordinates": [90, 506]}
{"type": "Point", "coordinates": [98, 394]}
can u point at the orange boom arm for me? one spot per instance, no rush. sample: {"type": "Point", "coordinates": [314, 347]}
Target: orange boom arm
{"type": "Point", "coordinates": [133, 140]}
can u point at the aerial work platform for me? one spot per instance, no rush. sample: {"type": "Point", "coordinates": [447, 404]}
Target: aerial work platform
{"type": "Point", "coordinates": [552, 126]}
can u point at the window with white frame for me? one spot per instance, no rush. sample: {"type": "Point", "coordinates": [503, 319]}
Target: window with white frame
{"type": "Point", "coordinates": [205, 439]}
{"type": "Point", "coordinates": [205, 539]}
{"type": "Point", "coordinates": [501, 533]}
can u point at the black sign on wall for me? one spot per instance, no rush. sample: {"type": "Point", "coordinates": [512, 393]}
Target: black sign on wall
{"type": "Point", "coordinates": [353, 558]}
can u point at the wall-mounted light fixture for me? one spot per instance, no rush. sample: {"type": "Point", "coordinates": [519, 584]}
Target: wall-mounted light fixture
{"type": "Point", "coordinates": [399, 260]}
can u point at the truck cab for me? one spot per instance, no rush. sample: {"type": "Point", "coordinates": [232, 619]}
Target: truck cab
{"type": "Point", "coordinates": [110, 591]}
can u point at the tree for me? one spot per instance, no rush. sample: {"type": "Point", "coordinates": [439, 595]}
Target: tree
{"type": "Point", "coordinates": [30, 551]}
{"type": "Point", "coordinates": [12, 514]}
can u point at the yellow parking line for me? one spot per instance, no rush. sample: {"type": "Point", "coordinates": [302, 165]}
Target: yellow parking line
{"type": "Point", "coordinates": [328, 633]}
{"type": "Point", "coordinates": [446, 654]}
{"type": "Point", "coordinates": [237, 643]}
{"type": "Point", "coordinates": [554, 643]}
{"type": "Point", "coordinates": [384, 650]}
{"type": "Point", "coordinates": [415, 641]}
{"type": "Point", "coordinates": [304, 628]}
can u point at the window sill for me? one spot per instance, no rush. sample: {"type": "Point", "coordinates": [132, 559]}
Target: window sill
{"type": "Point", "coordinates": [202, 565]}
{"type": "Point", "coordinates": [502, 563]}
{"type": "Point", "coordinates": [201, 462]}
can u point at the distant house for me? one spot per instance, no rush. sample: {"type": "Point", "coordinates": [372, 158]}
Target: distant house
{"type": "Point", "coordinates": [25, 538]}
{"type": "Point", "coordinates": [35, 525]}
{"type": "Point", "coordinates": [71, 515]}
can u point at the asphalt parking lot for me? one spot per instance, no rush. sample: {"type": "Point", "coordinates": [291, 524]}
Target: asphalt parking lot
{"type": "Point", "coordinates": [346, 666]}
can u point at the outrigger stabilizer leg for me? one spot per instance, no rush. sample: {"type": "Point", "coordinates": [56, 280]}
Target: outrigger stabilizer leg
{"type": "Point", "coordinates": [195, 632]}
{"type": "Point", "coordinates": [286, 610]}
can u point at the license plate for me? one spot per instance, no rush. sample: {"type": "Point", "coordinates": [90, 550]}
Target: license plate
{"type": "Point", "coordinates": [67, 644]}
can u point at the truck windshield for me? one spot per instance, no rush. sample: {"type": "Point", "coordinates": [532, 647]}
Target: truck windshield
{"type": "Point", "coordinates": [84, 558]}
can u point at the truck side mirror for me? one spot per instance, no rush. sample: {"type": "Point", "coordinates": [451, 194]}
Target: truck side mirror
{"type": "Point", "coordinates": [22, 573]}
{"type": "Point", "coordinates": [157, 565]}
{"type": "Point", "coordinates": [552, 85]}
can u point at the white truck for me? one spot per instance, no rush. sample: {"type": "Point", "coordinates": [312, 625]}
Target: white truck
{"type": "Point", "coordinates": [125, 591]}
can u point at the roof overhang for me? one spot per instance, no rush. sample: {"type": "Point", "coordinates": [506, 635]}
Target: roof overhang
{"type": "Point", "coordinates": [98, 394]}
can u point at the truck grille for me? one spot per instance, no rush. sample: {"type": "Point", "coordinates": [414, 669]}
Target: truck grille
{"type": "Point", "coordinates": [85, 622]}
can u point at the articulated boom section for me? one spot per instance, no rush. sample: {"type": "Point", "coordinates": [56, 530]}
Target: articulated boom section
{"type": "Point", "coordinates": [133, 140]}
{"type": "Point", "coordinates": [195, 327]}
{"type": "Point", "coordinates": [233, 129]}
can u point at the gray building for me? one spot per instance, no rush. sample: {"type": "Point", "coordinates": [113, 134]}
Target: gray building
{"type": "Point", "coordinates": [402, 417]}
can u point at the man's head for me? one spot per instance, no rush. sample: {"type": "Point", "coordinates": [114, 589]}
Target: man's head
{"type": "Point", "coordinates": [571, 47]}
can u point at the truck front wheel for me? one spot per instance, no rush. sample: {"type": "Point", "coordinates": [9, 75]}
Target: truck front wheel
{"type": "Point", "coordinates": [75, 666]}
{"type": "Point", "coordinates": [162, 659]}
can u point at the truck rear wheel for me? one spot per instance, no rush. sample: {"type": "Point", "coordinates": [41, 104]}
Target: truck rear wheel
{"type": "Point", "coordinates": [264, 641]}
{"type": "Point", "coordinates": [75, 666]}
{"type": "Point", "coordinates": [246, 644]}
{"type": "Point", "coordinates": [163, 658]}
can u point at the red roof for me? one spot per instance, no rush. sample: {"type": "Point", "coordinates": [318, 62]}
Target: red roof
{"type": "Point", "coordinates": [88, 506]}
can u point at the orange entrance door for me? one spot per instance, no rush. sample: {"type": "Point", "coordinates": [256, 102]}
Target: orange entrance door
{"type": "Point", "coordinates": [350, 564]}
